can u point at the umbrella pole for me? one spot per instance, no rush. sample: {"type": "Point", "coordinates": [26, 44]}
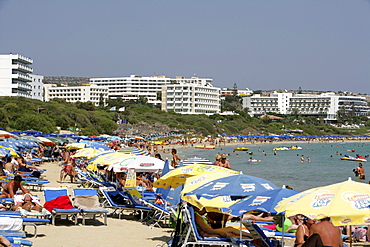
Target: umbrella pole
{"type": "Point", "coordinates": [282, 237]}
{"type": "Point", "coordinates": [350, 235]}
{"type": "Point", "coordinates": [241, 230]}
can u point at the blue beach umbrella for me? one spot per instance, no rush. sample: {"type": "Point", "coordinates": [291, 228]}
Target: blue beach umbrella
{"type": "Point", "coordinates": [239, 185]}
{"type": "Point", "coordinates": [98, 147]}
{"type": "Point", "coordinates": [264, 201]}
{"type": "Point", "coordinates": [160, 191]}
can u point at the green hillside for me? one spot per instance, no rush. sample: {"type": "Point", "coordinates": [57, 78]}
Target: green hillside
{"type": "Point", "coordinates": [26, 114]}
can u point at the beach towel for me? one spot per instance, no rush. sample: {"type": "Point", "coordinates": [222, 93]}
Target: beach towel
{"type": "Point", "coordinates": [90, 202]}
{"type": "Point", "coordinates": [61, 202]}
{"type": "Point", "coordinates": [11, 223]}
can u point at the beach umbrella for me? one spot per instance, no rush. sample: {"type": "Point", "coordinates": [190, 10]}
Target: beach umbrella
{"type": "Point", "coordinates": [11, 151]}
{"type": "Point", "coordinates": [133, 150]}
{"type": "Point", "coordinates": [98, 147]}
{"type": "Point", "coordinates": [160, 191]}
{"type": "Point", "coordinates": [140, 163]}
{"type": "Point", "coordinates": [265, 201]}
{"type": "Point", "coordinates": [239, 185]}
{"type": "Point", "coordinates": [178, 176]}
{"type": "Point", "coordinates": [346, 203]}
{"type": "Point", "coordinates": [5, 134]}
{"type": "Point", "coordinates": [87, 153]}
{"type": "Point", "coordinates": [196, 160]}
{"type": "Point", "coordinates": [45, 140]}
{"type": "Point", "coordinates": [109, 158]}
{"type": "Point", "coordinates": [76, 145]}
{"type": "Point", "coordinates": [214, 204]}
{"type": "Point", "coordinates": [32, 138]}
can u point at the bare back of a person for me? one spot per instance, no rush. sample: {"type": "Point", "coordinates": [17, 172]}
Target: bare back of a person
{"type": "Point", "coordinates": [330, 234]}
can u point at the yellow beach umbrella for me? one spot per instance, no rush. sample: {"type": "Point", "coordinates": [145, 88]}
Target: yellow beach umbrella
{"type": "Point", "coordinates": [12, 151]}
{"type": "Point", "coordinates": [76, 145]}
{"type": "Point", "coordinates": [178, 176]}
{"type": "Point", "coordinates": [87, 153]}
{"type": "Point", "coordinates": [109, 158]}
{"type": "Point", "coordinates": [346, 203]}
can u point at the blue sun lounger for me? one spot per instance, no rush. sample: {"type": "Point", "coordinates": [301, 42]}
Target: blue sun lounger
{"type": "Point", "coordinates": [51, 194]}
{"type": "Point", "coordinates": [27, 221]}
{"type": "Point", "coordinates": [193, 237]}
{"type": "Point", "coordinates": [18, 242]}
{"type": "Point", "coordinates": [92, 196]}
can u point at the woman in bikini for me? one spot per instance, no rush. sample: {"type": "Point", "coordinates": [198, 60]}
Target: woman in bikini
{"type": "Point", "coordinates": [28, 204]}
{"type": "Point", "coordinates": [303, 231]}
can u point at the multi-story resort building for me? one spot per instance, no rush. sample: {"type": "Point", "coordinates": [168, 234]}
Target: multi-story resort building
{"type": "Point", "coordinates": [325, 104]}
{"type": "Point", "coordinates": [133, 87]}
{"type": "Point", "coordinates": [15, 79]}
{"type": "Point", "coordinates": [75, 94]}
{"type": "Point", "coordinates": [37, 85]}
{"type": "Point", "coordinates": [191, 98]}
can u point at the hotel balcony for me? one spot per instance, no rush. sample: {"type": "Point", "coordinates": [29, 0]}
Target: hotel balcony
{"type": "Point", "coordinates": [23, 59]}
{"type": "Point", "coordinates": [22, 68]}
{"type": "Point", "coordinates": [21, 77]}
{"type": "Point", "coordinates": [22, 86]}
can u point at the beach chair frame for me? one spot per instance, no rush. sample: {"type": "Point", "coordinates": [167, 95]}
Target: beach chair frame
{"type": "Point", "coordinates": [90, 213]}
{"type": "Point", "coordinates": [71, 214]}
{"type": "Point", "coordinates": [192, 235]}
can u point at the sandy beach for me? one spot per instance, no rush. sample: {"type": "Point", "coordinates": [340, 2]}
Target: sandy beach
{"type": "Point", "coordinates": [127, 231]}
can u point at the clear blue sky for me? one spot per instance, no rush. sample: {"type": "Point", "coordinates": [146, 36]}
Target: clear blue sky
{"type": "Point", "coordinates": [260, 44]}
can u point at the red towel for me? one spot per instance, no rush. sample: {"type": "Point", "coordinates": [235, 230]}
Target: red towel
{"type": "Point", "coordinates": [61, 202]}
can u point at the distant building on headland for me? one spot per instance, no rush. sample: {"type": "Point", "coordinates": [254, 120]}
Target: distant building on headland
{"type": "Point", "coordinates": [198, 97]}
{"type": "Point", "coordinates": [73, 94]}
{"type": "Point", "coordinates": [16, 79]}
{"type": "Point", "coordinates": [183, 95]}
{"type": "Point", "coordinates": [325, 104]}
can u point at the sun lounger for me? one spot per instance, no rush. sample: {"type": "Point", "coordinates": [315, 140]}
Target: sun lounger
{"type": "Point", "coordinates": [259, 234]}
{"type": "Point", "coordinates": [17, 242]}
{"type": "Point", "coordinates": [115, 200]}
{"type": "Point", "coordinates": [87, 201]}
{"type": "Point", "coordinates": [55, 197]}
{"type": "Point", "coordinates": [192, 235]}
{"type": "Point", "coordinates": [27, 221]}
{"type": "Point", "coordinates": [134, 198]}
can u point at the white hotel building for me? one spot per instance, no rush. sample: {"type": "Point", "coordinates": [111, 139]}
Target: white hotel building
{"type": "Point", "coordinates": [191, 98]}
{"type": "Point", "coordinates": [15, 79]}
{"type": "Point", "coordinates": [325, 104]}
{"type": "Point", "coordinates": [195, 95]}
{"type": "Point", "coordinates": [75, 94]}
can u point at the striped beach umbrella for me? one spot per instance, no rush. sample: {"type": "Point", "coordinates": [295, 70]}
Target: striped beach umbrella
{"type": "Point", "coordinates": [133, 150]}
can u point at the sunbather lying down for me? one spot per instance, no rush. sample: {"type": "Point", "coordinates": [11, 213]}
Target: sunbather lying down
{"type": "Point", "coordinates": [28, 204]}
{"type": "Point", "coordinates": [205, 230]}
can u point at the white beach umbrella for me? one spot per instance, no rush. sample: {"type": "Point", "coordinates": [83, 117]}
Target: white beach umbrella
{"type": "Point", "coordinates": [139, 163]}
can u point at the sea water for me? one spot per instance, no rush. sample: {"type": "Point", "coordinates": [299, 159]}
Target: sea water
{"type": "Point", "coordinates": [286, 168]}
